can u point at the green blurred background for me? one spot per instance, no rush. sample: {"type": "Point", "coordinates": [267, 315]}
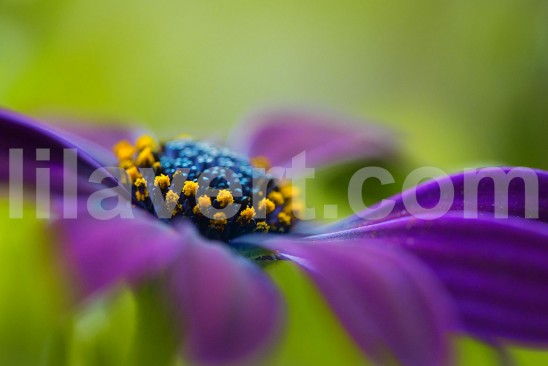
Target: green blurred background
{"type": "Point", "coordinates": [462, 80]}
{"type": "Point", "coordinates": [464, 83]}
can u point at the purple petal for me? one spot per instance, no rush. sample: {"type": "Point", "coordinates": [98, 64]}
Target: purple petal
{"type": "Point", "coordinates": [428, 195]}
{"type": "Point", "coordinates": [388, 302]}
{"type": "Point", "coordinates": [496, 269]}
{"type": "Point", "coordinates": [327, 138]}
{"type": "Point", "coordinates": [102, 253]}
{"type": "Point", "coordinates": [228, 308]}
{"type": "Point", "coordinates": [21, 132]}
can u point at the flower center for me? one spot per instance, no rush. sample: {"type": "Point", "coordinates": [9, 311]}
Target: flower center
{"type": "Point", "coordinates": [223, 193]}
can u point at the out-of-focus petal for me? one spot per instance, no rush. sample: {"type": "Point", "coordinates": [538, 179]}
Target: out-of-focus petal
{"type": "Point", "coordinates": [103, 134]}
{"type": "Point", "coordinates": [21, 132]}
{"type": "Point", "coordinates": [428, 195]}
{"type": "Point", "coordinates": [496, 269]}
{"type": "Point", "coordinates": [102, 253]}
{"type": "Point", "coordinates": [228, 309]}
{"type": "Point", "coordinates": [326, 138]}
{"type": "Point", "coordinates": [389, 303]}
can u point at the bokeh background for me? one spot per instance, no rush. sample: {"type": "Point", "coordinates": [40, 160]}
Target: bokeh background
{"type": "Point", "coordinates": [463, 83]}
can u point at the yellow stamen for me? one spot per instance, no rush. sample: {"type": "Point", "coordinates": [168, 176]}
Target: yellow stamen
{"type": "Point", "coordinates": [142, 192]}
{"type": "Point", "coordinates": [246, 215]}
{"type": "Point", "coordinates": [190, 188]}
{"type": "Point", "coordinates": [172, 200]}
{"type": "Point", "coordinates": [145, 141]}
{"type": "Point", "coordinates": [123, 150]}
{"type": "Point", "coordinates": [276, 197]}
{"type": "Point", "coordinates": [162, 181]}
{"type": "Point", "coordinates": [145, 158]}
{"type": "Point", "coordinates": [141, 196]}
{"type": "Point", "coordinates": [293, 207]}
{"type": "Point", "coordinates": [176, 174]}
{"type": "Point", "coordinates": [140, 183]}
{"type": "Point", "coordinates": [204, 201]}
{"type": "Point", "coordinates": [156, 166]}
{"type": "Point", "coordinates": [262, 227]}
{"type": "Point", "coordinates": [133, 173]}
{"type": "Point", "coordinates": [126, 164]}
{"type": "Point", "coordinates": [267, 205]}
{"type": "Point", "coordinates": [289, 191]}
{"type": "Point", "coordinates": [260, 162]}
{"type": "Point", "coordinates": [284, 219]}
{"type": "Point", "coordinates": [219, 220]}
{"type": "Point", "coordinates": [224, 197]}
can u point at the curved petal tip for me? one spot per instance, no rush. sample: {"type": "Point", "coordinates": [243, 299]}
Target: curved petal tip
{"type": "Point", "coordinates": [326, 137]}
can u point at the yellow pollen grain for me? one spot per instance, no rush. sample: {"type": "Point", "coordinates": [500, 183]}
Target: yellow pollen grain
{"type": "Point", "coordinates": [204, 202]}
{"type": "Point", "coordinates": [224, 197]}
{"type": "Point", "coordinates": [267, 205]}
{"type": "Point", "coordinates": [220, 218]}
{"type": "Point", "coordinates": [145, 158]}
{"type": "Point", "coordinates": [190, 188]}
{"type": "Point", "coordinates": [162, 181]}
{"type": "Point", "coordinates": [260, 162]}
{"type": "Point", "coordinates": [145, 141]}
{"type": "Point", "coordinates": [196, 210]}
{"type": "Point", "coordinates": [123, 150]}
{"type": "Point", "coordinates": [247, 215]}
{"type": "Point", "coordinates": [126, 164]}
{"type": "Point", "coordinates": [293, 207]}
{"type": "Point", "coordinates": [288, 208]}
{"type": "Point", "coordinates": [140, 182]}
{"type": "Point", "coordinates": [172, 201]}
{"type": "Point", "coordinates": [262, 227]}
{"type": "Point", "coordinates": [142, 192]}
{"type": "Point", "coordinates": [172, 198]}
{"type": "Point", "coordinates": [284, 219]}
{"type": "Point", "coordinates": [133, 173]}
{"type": "Point", "coordinates": [288, 191]}
{"type": "Point", "coordinates": [276, 197]}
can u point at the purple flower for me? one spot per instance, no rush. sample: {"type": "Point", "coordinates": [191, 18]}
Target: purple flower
{"type": "Point", "coordinates": [400, 284]}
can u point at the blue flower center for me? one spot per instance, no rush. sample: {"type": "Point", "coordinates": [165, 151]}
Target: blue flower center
{"type": "Point", "coordinates": [225, 194]}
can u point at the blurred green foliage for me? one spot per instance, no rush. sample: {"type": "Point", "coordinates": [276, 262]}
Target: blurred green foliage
{"type": "Point", "coordinates": [31, 299]}
{"type": "Point", "coordinates": [463, 82]}
{"type": "Point", "coordinates": [312, 336]}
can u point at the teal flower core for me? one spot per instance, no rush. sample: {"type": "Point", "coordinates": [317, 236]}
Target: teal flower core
{"type": "Point", "coordinates": [225, 194]}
